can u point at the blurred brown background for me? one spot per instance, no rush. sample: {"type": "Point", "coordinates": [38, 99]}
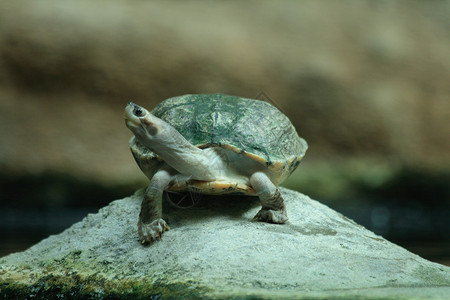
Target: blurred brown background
{"type": "Point", "coordinates": [366, 83]}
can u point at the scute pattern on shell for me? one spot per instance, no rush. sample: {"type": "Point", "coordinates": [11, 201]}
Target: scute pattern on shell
{"type": "Point", "coordinates": [252, 126]}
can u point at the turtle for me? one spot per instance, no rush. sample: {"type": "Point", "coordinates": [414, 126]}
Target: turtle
{"type": "Point", "coordinates": [212, 144]}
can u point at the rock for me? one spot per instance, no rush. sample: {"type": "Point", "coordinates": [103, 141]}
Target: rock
{"type": "Point", "coordinates": [214, 251]}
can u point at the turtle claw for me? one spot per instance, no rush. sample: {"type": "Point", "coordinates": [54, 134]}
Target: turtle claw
{"type": "Point", "coordinates": [271, 216]}
{"type": "Point", "coordinates": [150, 232]}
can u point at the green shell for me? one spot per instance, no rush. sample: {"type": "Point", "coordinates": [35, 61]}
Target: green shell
{"type": "Point", "coordinates": [252, 126]}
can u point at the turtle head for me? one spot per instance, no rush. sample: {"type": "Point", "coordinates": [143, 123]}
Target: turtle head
{"type": "Point", "coordinates": [164, 140]}
{"type": "Point", "coordinates": [144, 125]}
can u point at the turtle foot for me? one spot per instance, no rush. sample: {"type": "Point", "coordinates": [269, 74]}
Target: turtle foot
{"type": "Point", "coordinates": [150, 232]}
{"type": "Point", "coordinates": [271, 216]}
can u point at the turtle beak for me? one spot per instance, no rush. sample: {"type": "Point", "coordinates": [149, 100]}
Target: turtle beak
{"type": "Point", "coordinates": [132, 113]}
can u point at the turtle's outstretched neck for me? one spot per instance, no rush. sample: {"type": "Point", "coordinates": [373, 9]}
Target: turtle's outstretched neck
{"type": "Point", "coordinates": [164, 140]}
{"type": "Point", "coordinates": [181, 155]}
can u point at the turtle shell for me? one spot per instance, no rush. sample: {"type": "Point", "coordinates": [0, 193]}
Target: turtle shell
{"type": "Point", "coordinates": [250, 127]}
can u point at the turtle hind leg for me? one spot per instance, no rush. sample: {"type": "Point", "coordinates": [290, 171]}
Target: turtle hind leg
{"type": "Point", "coordinates": [151, 226]}
{"type": "Point", "coordinates": [273, 208]}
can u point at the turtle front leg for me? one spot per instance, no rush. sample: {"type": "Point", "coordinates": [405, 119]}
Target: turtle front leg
{"type": "Point", "coordinates": [273, 208]}
{"type": "Point", "coordinates": [151, 226]}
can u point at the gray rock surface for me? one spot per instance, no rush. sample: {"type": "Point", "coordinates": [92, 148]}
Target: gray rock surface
{"type": "Point", "coordinates": [214, 251]}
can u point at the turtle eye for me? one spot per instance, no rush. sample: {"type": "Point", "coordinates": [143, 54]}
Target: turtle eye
{"type": "Point", "coordinates": [138, 112]}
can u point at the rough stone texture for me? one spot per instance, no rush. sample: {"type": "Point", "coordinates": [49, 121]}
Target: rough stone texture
{"type": "Point", "coordinates": [214, 250]}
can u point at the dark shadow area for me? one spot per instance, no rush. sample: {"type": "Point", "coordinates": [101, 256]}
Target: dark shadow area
{"type": "Point", "coordinates": [229, 204]}
{"type": "Point", "coordinates": [410, 209]}
{"type": "Point", "coordinates": [32, 207]}
{"type": "Point", "coordinates": [53, 190]}
{"type": "Point", "coordinates": [198, 207]}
